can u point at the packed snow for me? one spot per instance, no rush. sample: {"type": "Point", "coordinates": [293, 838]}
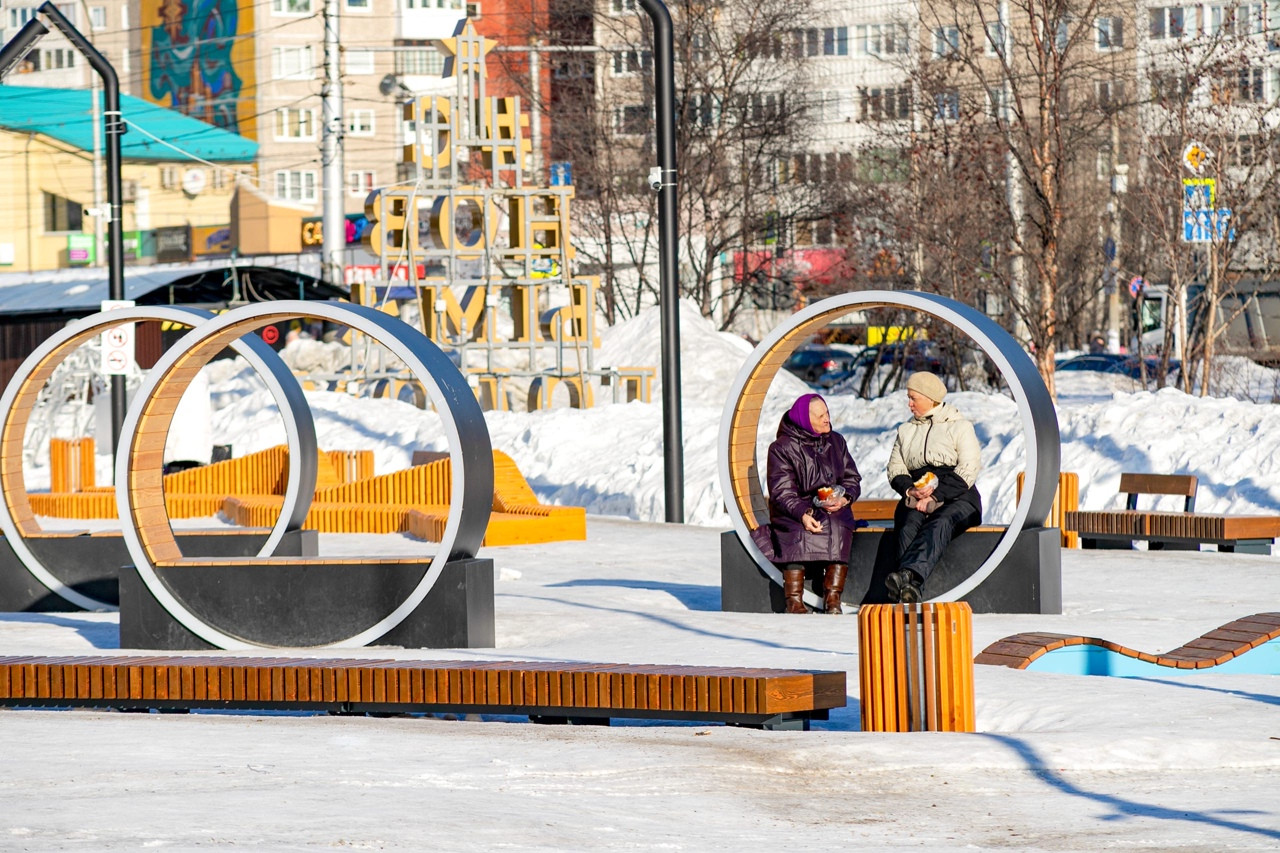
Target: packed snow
{"type": "Point", "coordinates": [1186, 762]}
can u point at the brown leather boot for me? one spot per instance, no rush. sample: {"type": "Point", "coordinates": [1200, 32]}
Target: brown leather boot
{"type": "Point", "coordinates": [793, 588]}
{"type": "Point", "coordinates": [833, 587]}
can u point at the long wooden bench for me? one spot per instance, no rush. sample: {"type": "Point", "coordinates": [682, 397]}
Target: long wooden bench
{"type": "Point", "coordinates": [766, 698]}
{"type": "Point", "coordinates": [1173, 531]}
{"type": "Point", "coordinates": [1216, 648]}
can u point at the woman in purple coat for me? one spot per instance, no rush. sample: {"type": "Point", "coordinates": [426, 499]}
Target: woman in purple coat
{"type": "Point", "coordinates": [811, 530]}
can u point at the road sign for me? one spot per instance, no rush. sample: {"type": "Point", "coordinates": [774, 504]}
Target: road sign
{"type": "Point", "coordinates": [1195, 156]}
{"type": "Point", "coordinates": [1207, 226]}
{"type": "Point", "coordinates": [117, 342]}
{"type": "Point", "coordinates": [1135, 286]}
{"type": "Point", "coordinates": [1199, 194]}
{"type": "Point", "coordinates": [561, 173]}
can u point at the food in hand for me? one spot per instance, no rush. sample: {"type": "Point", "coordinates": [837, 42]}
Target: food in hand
{"type": "Point", "coordinates": [928, 481]}
{"type": "Point", "coordinates": [826, 493]}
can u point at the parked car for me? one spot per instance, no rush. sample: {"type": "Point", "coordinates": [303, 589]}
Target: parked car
{"type": "Point", "coordinates": [1118, 363]}
{"type": "Point", "coordinates": [913, 355]}
{"type": "Point", "coordinates": [810, 363]}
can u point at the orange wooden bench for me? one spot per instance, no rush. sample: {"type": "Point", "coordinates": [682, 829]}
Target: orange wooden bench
{"type": "Point", "coordinates": [1173, 531]}
{"type": "Point", "coordinates": [1215, 648]}
{"type": "Point", "coordinates": [766, 698]}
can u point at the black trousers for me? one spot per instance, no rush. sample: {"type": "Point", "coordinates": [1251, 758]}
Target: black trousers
{"type": "Point", "coordinates": [923, 537]}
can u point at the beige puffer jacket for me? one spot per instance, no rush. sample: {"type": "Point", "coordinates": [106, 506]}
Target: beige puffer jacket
{"type": "Point", "coordinates": [942, 437]}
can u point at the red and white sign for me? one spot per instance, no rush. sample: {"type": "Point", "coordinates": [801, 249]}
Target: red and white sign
{"type": "Point", "coordinates": [117, 342]}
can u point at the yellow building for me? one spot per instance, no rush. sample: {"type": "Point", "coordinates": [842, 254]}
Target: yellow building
{"type": "Point", "coordinates": [178, 176]}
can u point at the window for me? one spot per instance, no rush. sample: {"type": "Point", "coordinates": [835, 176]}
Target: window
{"type": "Point", "coordinates": [62, 214]}
{"type": "Point", "coordinates": [835, 41]}
{"type": "Point", "coordinates": [296, 185]}
{"type": "Point", "coordinates": [995, 41]}
{"type": "Point", "coordinates": [806, 42]}
{"type": "Point", "coordinates": [291, 7]}
{"type": "Point", "coordinates": [998, 104]}
{"type": "Point", "coordinates": [880, 39]}
{"type": "Point", "coordinates": [1170, 86]}
{"type": "Point", "coordinates": [360, 122]}
{"type": "Point", "coordinates": [1063, 37]}
{"type": "Point", "coordinates": [632, 120]}
{"type": "Point", "coordinates": [473, 10]}
{"type": "Point", "coordinates": [360, 182]}
{"type": "Point", "coordinates": [358, 5]}
{"type": "Point", "coordinates": [825, 106]}
{"type": "Point", "coordinates": [877, 103]}
{"type": "Point", "coordinates": [700, 110]}
{"type": "Point", "coordinates": [631, 61]}
{"type": "Point", "coordinates": [424, 62]}
{"type": "Point", "coordinates": [294, 123]}
{"type": "Point", "coordinates": [359, 61]}
{"type": "Point", "coordinates": [766, 106]}
{"type": "Point", "coordinates": [946, 41]}
{"type": "Point", "coordinates": [1109, 33]}
{"type": "Point", "coordinates": [219, 181]}
{"type": "Point", "coordinates": [57, 58]}
{"type": "Point", "coordinates": [947, 104]}
{"type": "Point", "coordinates": [18, 17]}
{"type": "Point", "coordinates": [622, 7]}
{"type": "Point", "coordinates": [813, 168]}
{"type": "Point", "coordinates": [1249, 84]}
{"type": "Point", "coordinates": [1110, 94]}
{"type": "Point", "coordinates": [1235, 20]}
{"type": "Point", "coordinates": [1171, 22]}
{"type": "Point", "coordinates": [168, 177]}
{"type": "Point", "coordinates": [294, 63]}
{"type": "Point", "coordinates": [98, 17]}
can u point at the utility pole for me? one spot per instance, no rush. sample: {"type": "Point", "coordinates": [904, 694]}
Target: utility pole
{"type": "Point", "coordinates": [334, 220]}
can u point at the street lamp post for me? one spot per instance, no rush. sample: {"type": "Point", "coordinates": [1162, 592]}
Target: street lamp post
{"type": "Point", "coordinates": [10, 55]}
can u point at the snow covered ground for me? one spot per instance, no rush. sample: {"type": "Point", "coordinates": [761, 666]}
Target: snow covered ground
{"type": "Point", "coordinates": [1184, 762]}
{"type": "Point", "coordinates": [1063, 763]}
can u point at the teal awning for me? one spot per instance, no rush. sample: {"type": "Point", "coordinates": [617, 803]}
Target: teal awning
{"type": "Point", "coordinates": [67, 115]}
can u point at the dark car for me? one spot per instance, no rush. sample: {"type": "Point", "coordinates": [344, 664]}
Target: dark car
{"type": "Point", "coordinates": [1118, 363]}
{"type": "Point", "coordinates": [810, 363]}
{"type": "Point", "coordinates": [913, 355]}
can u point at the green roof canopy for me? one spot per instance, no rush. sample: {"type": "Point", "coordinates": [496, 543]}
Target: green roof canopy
{"type": "Point", "coordinates": [67, 115]}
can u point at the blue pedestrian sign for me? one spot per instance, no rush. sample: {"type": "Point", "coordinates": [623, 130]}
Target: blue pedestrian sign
{"type": "Point", "coordinates": [561, 174]}
{"type": "Point", "coordinates": [1207, 226]}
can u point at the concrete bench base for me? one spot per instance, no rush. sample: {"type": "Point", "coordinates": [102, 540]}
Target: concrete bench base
{"type": "Point", "coordinates": [90, 562]}
{"type": "Point", "coordinates": [1028, 580]}
{"type": "Point", "coordinates": [311, 602]}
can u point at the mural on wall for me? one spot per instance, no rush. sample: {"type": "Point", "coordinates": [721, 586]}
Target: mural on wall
{"type": "Point", "coordinates": [201, 60]}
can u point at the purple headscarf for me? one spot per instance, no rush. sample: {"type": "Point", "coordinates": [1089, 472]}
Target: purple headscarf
{"type": "Point", "coordinates": [799, 412]}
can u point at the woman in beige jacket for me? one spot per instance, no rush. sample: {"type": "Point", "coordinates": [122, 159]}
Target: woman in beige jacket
{"type": "Point", "coordinates": [934, 465]}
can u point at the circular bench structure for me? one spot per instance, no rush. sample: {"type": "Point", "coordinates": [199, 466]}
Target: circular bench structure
{"type": "Point", "coordinates": [314, 598]}
{"type": "Point", "coordinates": [20, 396]}
{"type": "Point", "coordinates": [739, 425]}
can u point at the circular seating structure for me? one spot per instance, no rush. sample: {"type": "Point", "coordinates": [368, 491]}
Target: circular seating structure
{"type": "Point", "coordinates": [19, 399]}
{"type": "Point", "coordinates": [316, 602]}
{"type": "Point", "coordinates": [739, 470]}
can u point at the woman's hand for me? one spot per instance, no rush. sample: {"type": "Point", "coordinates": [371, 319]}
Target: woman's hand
{"type": "Point", "coordinates": [835, 504]}
{"type": "Point", "coordinates": [927, 504]}
{"type": "Point", "coordinates": [810, 523]}
{"type": "Point", "coordinates": [921, 493]}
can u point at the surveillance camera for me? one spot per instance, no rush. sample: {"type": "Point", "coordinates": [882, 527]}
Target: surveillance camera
{"type": "Point", "coordinates": [655, 178]}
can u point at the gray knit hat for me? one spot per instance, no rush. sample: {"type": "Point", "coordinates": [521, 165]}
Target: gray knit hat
{"type": "Point", "coordinates": [926, 383]}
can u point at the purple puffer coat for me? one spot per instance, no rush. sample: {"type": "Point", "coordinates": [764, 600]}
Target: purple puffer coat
{"type": "Point", "coordinates": [799, 462]}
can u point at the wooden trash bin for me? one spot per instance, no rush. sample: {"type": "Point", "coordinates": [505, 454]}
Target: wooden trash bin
{"type": "Point", "coordinates": [915, 665]}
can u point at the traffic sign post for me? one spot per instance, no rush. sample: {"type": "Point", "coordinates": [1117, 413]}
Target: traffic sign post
{"type": "Point", "coordinates": [117, 342]}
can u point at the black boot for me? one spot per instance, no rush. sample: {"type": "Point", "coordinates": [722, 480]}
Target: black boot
{"type": "Point", "coordinates": [833, 587]}
{"type": "Point", "coordinates": [904, 586]}
{"type": "Point", "coordinates": [793, 589]}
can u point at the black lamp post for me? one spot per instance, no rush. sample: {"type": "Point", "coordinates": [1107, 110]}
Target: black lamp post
{"type": "Point", "coordinates": [668, 257]}
{"type": "Point", "coordinates": [10, 55]}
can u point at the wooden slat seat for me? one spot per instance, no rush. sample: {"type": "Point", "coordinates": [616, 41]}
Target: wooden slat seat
{"type": "Point", "coordinates": [772, 698]}
{"type": "Point", "coordinates": [1185, 530]}
{"type": "Point", "coordinates": [1211, 649]}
